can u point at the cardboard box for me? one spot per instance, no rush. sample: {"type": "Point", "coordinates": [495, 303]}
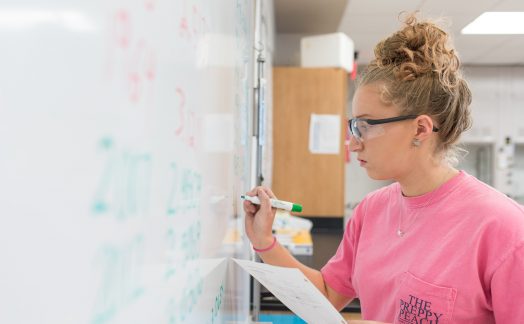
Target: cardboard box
{"type": "Point", "coordinates": [328, 50]}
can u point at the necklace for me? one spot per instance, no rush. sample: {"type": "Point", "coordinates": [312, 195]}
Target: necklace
{"type": "Point", "coordinates": [401, 230]}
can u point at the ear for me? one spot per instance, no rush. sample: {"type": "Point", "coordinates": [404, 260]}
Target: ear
{"type": "Point", "coordinates": [424, 127]}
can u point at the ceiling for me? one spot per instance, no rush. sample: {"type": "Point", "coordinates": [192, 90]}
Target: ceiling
{"type": "Point", "coordinates": [308, 16]}
{"type": "Point", "coordinates": [368, 21]}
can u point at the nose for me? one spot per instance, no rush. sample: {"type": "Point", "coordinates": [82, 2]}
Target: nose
{"type": "Point", "coordinates": [354, 144]}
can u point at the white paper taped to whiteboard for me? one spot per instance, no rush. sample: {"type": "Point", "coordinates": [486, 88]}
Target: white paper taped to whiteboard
{"type": "Point", "coordinates": [324, 134]}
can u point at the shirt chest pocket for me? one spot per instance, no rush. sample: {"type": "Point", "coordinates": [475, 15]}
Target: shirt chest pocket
{"type": "Point", "coordinates": [422, 302]}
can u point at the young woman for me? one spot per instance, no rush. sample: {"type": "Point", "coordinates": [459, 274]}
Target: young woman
{"type": "Point", "coordinates": [437, 246]}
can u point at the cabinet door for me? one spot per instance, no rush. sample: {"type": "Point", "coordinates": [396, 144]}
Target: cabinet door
{"type": "Point", "coordinates": [314, 180]}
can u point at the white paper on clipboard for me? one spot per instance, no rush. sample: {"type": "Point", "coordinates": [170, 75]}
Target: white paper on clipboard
{"type": "Point", "coordinates": [293, 289]}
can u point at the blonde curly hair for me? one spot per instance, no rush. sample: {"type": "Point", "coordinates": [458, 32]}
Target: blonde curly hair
{"type": "Point", "coordinates": [419, 71]}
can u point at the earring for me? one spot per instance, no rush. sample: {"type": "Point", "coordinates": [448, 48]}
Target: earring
{"type": "Point", "coordinates": [416, 142]}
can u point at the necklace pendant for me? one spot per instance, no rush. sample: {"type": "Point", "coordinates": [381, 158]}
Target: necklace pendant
{"type": "Point", "coordinates": [400, 233]}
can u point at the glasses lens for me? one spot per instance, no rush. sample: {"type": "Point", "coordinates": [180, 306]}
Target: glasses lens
{"type": "Point", "coordinates": [354, 129]}
{"type": "Point", "coordinates": [364, 131]}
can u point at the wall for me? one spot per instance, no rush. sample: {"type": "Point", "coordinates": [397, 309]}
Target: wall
{"type": "Point", "coordinates": [358, 184]}
{"type": "Point", "coordinates": [497, 108]}
{"type": "Point", "coordinates": [287, 49]}
{"type": "Point", "coordinates": [498, 111]}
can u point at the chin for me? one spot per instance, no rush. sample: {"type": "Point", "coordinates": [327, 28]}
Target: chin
{"type": "Point", "coordinates": [373, 174]}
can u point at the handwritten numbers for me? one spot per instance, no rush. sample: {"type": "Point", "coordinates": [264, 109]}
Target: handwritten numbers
{"type": "Point", "coordinates": [122, 28]}
{"type": "Point", "coordinates": [184, 192]}
{"type": "Point", "coordinates": [142, 70]}
{"type": "Point", "coordinates": [191, 242]}
{"type": "Point", "coordinates": [171, 253]}
{"type": "Point", "coordinates": [150, 4]}
{"type": "Point", "coordinates": [124, 184]}
{"type": "Point", "coordinates": [119, 278]}
{"type": "Point", "coordinates": [218, 303]}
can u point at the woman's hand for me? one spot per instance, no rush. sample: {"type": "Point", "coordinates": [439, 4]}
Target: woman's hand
{"type": "Point", "coordinates": [259, 218]}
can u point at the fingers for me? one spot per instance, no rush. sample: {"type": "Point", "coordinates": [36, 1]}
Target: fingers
{"type": "Point", "coordinates": [249, 207]}
{"type": "Point", "coordinates": [266, 191]}
{"type": "Point", "coordinates": [263, 194]}
{"type": "Point", "coordinates": [264, 198]}
{"type": "Point", "coordinates": [269, 192]}
{"type": "Point", "coordinates": [254, 191]}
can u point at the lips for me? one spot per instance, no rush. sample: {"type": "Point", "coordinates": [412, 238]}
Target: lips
{"type": "Point", "coordinates": [362, 162]}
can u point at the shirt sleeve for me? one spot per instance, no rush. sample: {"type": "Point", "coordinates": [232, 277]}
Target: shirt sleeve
{"type": "Point", "coordinates": [507, 288]}
{"type": "Point", "coordinates": [338, 271]}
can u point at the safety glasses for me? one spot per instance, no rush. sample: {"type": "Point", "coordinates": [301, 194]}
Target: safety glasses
{"type": "Point", "coordinates": [363, 128]}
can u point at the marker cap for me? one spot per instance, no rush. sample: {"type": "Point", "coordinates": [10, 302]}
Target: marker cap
{"type": "Point", "coordinates": [296, 208]}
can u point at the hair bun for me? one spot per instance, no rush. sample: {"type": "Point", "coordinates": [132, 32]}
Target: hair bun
{"type": "Point", "coordinates": [420, 48]}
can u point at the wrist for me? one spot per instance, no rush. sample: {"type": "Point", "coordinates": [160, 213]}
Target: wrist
{"type": "Point", "coordinates": [261, 242]}
{"type": "Point", "coordinates": [265, 245]}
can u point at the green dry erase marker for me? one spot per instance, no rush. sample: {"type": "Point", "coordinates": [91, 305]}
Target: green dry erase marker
{"type": "Point", "coordinates": [280, 204]}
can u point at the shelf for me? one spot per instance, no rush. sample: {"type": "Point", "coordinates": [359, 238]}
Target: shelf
{"type": "Point", "coordinates": [478, 140]}
{"type": "Point", "coordinates": [519, 141]}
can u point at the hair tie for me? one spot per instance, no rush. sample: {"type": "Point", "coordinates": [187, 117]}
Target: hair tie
{"type": "Point", "coordinates": [268, 248]}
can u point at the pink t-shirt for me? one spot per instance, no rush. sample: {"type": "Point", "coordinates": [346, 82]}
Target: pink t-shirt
{"type": "Point", "coordinates": [461, 259]}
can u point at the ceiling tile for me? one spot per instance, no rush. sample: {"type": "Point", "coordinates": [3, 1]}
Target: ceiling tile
{"type": "Point", "coordinates": [308, 16]}
{"type": "Point", "coordinates": [509, 5]}
{"type": "Point", "coordinates": [471, 47]}
{"type": "Point", "coordinates": [454, 7]}
{"type": "Point", "coordinates": [369, 21]}
{"type": "Point", "coordinates": [508, 51]}
{"type": "Point", "coordinates": [365, 23]}
{"type": "Point", "coordinates": [382, 6]}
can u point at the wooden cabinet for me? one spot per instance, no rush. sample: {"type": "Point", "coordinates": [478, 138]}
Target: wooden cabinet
{"type": "Point", "coordinates": [314, 180]}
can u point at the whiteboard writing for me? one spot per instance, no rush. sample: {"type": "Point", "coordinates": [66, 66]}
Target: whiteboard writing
{"type": "Point", "coordinates": [184, 191]}
{"type": "Point", "coordinates": [124, 185]}
{"type": "Point", "coordinates": [118, 270]}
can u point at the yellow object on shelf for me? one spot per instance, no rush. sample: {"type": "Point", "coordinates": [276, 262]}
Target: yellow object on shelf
{"type": "Point", "coordinates": [293, 233]}
{"type": "Point", "coordinates": [302, 237]}
{"type": "Point", "coordinates": [297, 242]}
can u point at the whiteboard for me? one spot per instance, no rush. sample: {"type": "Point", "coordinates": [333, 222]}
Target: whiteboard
{"type": "Point", "coordinates": [124, 134]}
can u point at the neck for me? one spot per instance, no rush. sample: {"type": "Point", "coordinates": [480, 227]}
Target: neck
{"type": "Point", "coordinates": [424, 180]}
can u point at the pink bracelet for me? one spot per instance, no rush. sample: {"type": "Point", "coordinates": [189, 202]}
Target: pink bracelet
{"type": "Point", "coordinates": [268, 248]}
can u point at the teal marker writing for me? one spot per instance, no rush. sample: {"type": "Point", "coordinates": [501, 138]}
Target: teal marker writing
{"type": "Point", "coordinates": [280, 204]}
